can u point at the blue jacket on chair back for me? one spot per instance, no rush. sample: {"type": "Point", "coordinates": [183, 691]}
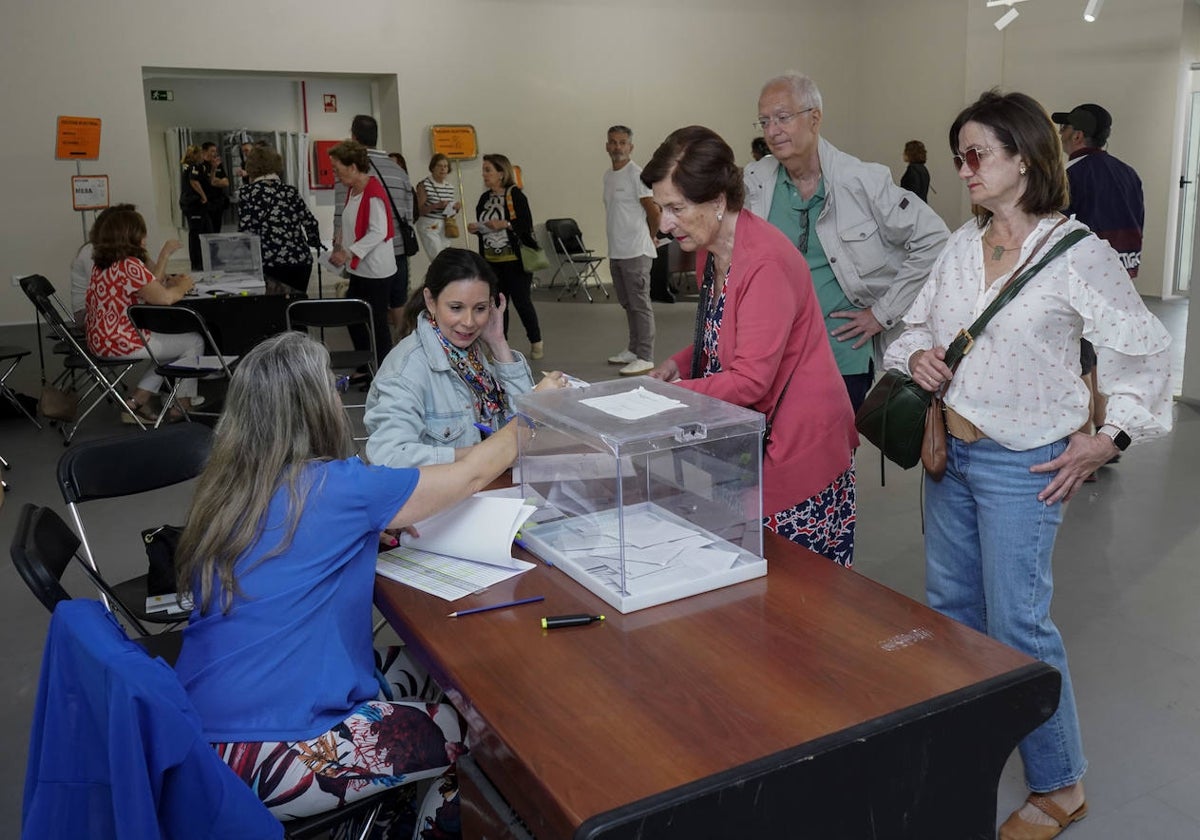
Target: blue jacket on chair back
{"type": "Point", "coordinates": [115, 749]}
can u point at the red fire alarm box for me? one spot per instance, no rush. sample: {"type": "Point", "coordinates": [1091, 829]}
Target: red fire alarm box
{"type": "Point", "coordinates": [322, 168]}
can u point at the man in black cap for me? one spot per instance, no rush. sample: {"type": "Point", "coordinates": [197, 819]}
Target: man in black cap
{"type": "Point", "coordinates": [1106, 194]}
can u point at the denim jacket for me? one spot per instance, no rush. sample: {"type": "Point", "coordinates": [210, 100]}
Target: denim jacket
{"type": "Point", "coordinates": [881, 240]}
{"type": "Point", "coordinates": [419, 410]}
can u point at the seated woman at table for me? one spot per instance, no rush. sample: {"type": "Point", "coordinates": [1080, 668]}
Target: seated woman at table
{"type": "Point", "coordinates": [760, 341]}
{"type": "Point", "coordinates": [285, 226]}
{"type": "Point", "coordinates": [120, 277]}
{"type": "Point", "coordinates": [453, 370]}
{"type": "Point", "coordinates": [278, 557]}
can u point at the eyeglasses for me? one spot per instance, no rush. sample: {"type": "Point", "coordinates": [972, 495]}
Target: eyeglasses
{"type": "Point", "coordinates": [972, 155]}
{"type": "Point", "coordinates": [763, 123]}
{"type": "Point", "coordinates": [803, 243]}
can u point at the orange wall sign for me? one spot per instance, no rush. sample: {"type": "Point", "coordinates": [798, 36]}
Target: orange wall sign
{"type": "Point", "coordinates": [78, 138]}
{"type": "Point", "coordinates": [456, 142]}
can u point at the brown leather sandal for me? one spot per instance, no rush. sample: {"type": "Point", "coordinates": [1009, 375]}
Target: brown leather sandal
{"type": "Point", "coordinates": [1015, 828]}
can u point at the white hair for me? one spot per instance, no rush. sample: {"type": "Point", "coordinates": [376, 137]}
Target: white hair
{"type": "Point", "coordinates": [803, 88]}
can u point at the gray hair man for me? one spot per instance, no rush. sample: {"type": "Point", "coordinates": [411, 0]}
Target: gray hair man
{"type": "Point", "coordinates": [869, 244]}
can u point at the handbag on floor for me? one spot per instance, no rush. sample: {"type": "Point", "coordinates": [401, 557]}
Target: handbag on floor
{"type": "Point", "coordinates": [896, 411]}
{"type": "Point", "coordinates": [58, 404]}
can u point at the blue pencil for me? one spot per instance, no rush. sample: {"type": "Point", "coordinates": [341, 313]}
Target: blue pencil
{"type": "Point", "coordinates": [489, 607]}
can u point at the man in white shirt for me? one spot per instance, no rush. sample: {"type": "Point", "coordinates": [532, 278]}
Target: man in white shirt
{"type": "Point", "coordinates": [632, 218]}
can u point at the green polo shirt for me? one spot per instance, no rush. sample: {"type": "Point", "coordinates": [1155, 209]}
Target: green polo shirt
{"type": "Point", "coordinates": [786, 207]}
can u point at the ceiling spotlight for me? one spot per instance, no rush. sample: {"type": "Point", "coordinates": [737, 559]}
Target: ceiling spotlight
{"type": "Point", "coordinates": [994, 3]}
{"type": "Point", "coordinates": [1093, 10]}
{"type": "Point", "coordinates": [1008, 17]}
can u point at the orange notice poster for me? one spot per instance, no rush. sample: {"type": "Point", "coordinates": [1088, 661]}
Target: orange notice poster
{"type": "Point", "coordinates": [456, 142]}
{"type": "Point", "coordinates": [78, 138]}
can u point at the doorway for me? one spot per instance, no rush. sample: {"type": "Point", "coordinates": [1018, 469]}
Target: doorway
{"type": "Point", "coordinates": [1189, 184]}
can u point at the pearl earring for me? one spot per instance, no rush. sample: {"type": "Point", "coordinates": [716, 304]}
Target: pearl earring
{"type": "Point", "coordinates": [720, 215]}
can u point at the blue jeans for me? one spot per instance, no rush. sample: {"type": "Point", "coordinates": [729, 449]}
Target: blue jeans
{"type": "Point", "coordinates": [988, 542]}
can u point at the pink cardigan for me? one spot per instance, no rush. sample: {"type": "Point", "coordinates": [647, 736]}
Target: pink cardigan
{"type": "Point", "coordinates": [773, 326]}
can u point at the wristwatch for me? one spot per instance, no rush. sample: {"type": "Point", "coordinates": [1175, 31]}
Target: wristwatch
{"type": "Point", "coordinates": [1119, 438]}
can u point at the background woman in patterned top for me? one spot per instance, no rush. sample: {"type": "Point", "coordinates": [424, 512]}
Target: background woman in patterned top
{"type": "Point", "coordinates": [278, 215]}
{"type": "Point", "coordinates": [436, 203]}
{"type": "Point", "coordinates": [504, 223]}
{"type": "Point", "coordinates": [120, 277]}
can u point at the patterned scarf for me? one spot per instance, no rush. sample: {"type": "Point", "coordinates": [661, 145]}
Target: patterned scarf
{"type": "Point", "coordinates": [489, 396]}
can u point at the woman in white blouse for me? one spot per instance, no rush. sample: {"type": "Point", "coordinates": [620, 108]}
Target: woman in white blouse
{"type": "Point", "coordinates": [367, 224]}
{"type": "Point", "coordinates": [436, 203]}
{"type": "Point", "coordinates": [1015, 407]}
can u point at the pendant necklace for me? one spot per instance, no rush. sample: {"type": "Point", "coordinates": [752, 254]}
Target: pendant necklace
{"type": "Point", "coordinates": [997, 251]}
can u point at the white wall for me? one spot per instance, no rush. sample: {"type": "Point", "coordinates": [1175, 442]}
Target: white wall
{"type": "Point", "coordinates": [542, 79]}
{"type": "Point", "coordinates": [1129, 62]}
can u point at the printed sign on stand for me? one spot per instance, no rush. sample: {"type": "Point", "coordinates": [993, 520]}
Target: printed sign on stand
{"type": "Point", "coordinates": [456, 142]}
{"type": "Point", "coordinates": [89, 192]}
{"type": "Point", "coordinates": [78, 138]}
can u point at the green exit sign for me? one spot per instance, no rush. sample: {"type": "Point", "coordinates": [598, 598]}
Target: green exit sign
{"type": "Point", "coordinates": [162, 96]}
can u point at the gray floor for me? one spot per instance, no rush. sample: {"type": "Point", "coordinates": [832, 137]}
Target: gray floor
{"type": "Point", "coordinates": [1128, 583]}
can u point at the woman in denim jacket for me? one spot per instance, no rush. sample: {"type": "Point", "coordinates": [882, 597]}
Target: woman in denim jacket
{"type": "Point", "coordinates": [452, 373]}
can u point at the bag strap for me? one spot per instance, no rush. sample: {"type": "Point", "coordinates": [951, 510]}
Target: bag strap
{"type": "Point", "coordinates": [965, 339]}
{"type": "Point", "coordinates": [395, 210]}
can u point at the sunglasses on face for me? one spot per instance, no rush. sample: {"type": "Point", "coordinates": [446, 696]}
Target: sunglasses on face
{"type": "Point", "coordinates": [972, 155]}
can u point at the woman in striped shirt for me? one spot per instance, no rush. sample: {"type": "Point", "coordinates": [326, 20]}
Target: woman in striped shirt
{"type": "Point", "coordinates": [436, 203]}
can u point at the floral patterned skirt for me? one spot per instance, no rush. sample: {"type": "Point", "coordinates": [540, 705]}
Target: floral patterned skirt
{"type": "Point", "coordinates": [406, 735]}
{"type": "Point", "coordinates": [823, 523]}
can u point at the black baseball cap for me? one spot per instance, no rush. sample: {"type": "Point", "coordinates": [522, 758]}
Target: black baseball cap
{"type": "Point", "coordinates": [1091, 119]}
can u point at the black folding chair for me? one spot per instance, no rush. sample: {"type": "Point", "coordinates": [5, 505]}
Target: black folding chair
{"type": "Point", "coordinates": [127, 465]}
{"type": "Point", "coordinates": [38, 283]}
{"type": "Point", "coordinates": [179, 320]}
{"type": "Point", "coordinates": [578, 262]}
{"type": "Point", "coordinates": [102, 374]}
{"type": "Point", "coordinates": [332, 313]}
{"type": "Point", "coordinates": [43, 546]}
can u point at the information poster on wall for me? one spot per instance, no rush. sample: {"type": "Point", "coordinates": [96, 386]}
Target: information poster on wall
{"type": "Point", "coordinates": [89, 192]}
{"type": "Point", "coordinates": [456, 142]}
{"type": "Point", "coordinates": [78, 138]}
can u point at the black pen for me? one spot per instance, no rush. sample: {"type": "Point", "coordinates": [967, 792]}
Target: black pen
{"type": "Point", "coordinates": [554, 621]}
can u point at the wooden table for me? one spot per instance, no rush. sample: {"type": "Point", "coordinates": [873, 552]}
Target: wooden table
{"type": "Point", "coordinates": [812, 702]}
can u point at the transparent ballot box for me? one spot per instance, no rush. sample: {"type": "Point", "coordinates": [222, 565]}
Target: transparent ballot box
{"type": "Point", "coordinates": [647, 492]}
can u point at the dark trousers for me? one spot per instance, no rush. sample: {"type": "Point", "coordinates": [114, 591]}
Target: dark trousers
{"type": "Point", "coordinates": [198, 223]}
{"type": "Point", "coordinates": [515, 285]}
{"type": "Point", "coordinates": [216, 214]}
{"type": "Point", "coordinates": [295, 277]}
{"type": "Point", "coordinates": [374, 290]}
{"type": "Point", "coordinates": [858, 385]}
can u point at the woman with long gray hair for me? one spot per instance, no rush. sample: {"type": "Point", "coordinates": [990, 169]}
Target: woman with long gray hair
{"type": "Point", "coordinates": [278, 558]}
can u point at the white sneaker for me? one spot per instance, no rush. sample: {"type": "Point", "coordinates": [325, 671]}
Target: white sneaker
{"type": "Point", "coordinates": [636, 368]}
{"type": "Point", "coordinates": [622, 358]}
